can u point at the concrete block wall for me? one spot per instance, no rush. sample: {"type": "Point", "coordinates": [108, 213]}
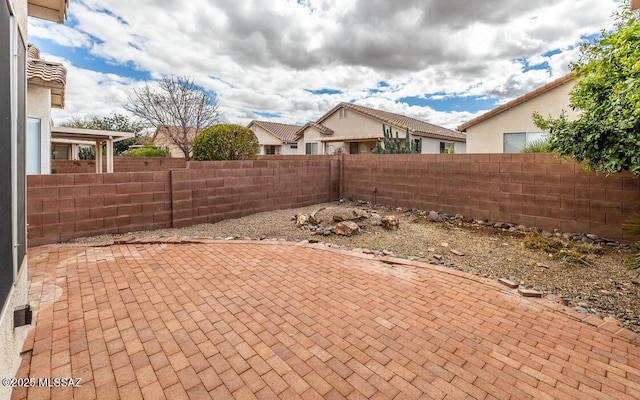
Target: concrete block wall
{"type": "Point", "coordinates": [67, 206]}
{"type": "Point", "coordinates": [232, 189]}
{"type": "Point", "coordinates": [61, 207]}
{"type": "Point", "coordinates": [120, 164]}
{"type": "Point", "coordinates": [530, 189]}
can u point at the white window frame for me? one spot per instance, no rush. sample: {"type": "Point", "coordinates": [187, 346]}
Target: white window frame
{"type": "Point", "coordinates": [529, 136]}
{"type": "Point", "coordinates": [309, 148]}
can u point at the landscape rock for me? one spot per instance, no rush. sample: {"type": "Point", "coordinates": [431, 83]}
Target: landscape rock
{"type": "Point", "coordinates": [346, 228]}
{"type": "Point", "coordinates": [315, 219]}
{"type": "Point", "coordinates": [375, 220]}
{"type": "Point", "coordinates": [434, 217]}
{"type": "Point", "coordinates": [457, 252]}
{"type": "Point", "coordinates": [360, 214]}
{"type": "Point", "coordinates": [301, 220]}
{"type": "Point", "coordinates": [343, 216]}
{"type": "Point", "coordinates": [391, 222]}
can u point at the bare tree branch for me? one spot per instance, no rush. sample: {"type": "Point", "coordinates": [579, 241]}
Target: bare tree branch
{"type": "Point", "coordinates": [180, 108]}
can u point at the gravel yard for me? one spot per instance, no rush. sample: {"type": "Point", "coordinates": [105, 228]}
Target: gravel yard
{"type": "Point", "coordinates": [598, 283]}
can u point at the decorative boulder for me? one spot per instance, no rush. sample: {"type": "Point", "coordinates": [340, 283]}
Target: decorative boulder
{"type": "Point", "coordinates": [391, 222]}
{"type": "Point", "coordinates": [346, 228]}
{"type": "Point", "coordinates": [342, 216]}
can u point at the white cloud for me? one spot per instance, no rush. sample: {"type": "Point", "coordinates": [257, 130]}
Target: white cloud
{"type": "Point", "coordinates": [260, 56]}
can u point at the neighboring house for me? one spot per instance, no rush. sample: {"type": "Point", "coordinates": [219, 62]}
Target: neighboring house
{"type": "Point", "coordinates": [46, 83]}
{"type": "Point", "coordinates": [45, 90]}
{"type": "Point", "coordinates": [162, 139]}
{"type": "Point", "coordinates": [508, 128]}
{"type": "Point", "coordinates": [354, 129]}
{"type": "Point", "coordinates": [13, 117]}
{"type": "Point", "coordinates": [275, 138]}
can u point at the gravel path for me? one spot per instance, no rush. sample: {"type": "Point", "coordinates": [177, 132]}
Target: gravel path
{"type": "Point", "coordinates": [602, 286]}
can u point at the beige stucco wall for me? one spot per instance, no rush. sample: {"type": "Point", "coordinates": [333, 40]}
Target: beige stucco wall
{"type": "Point", "coordinates": [355, 126]}
{"type": "Point", "coordinates": [20, 8]}
{"type": "Point", "coordinates": [358, 127]}
{"type": "Point", "coordinates": [487, 136]}
{"type": "Point", "coordinates": [39, 106]}
{"type": "Point", "coordinates": [432, 146]}
{"type": "Point", "coordinates": [164, 142]}
{"type": "Point", "coordinates": [266, 139]}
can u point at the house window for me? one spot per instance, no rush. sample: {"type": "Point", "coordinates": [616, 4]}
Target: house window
{"type": "Point", "coordinates": [311, 148]}
{"type": "Point", "coordinates": [34, 139]}
{"type": "Point", "coordinates": [447, 147]}
{"type": "Point", "coordinates": [343, 113]}
{"type": "Point", "coordinates": [354, 148]}
{"type": "Point", "coordinates": [269, 149]}
{"type": "Point", "coordinates": [514, 142]}
{"type": "Point", "coordinates": [294, 146]}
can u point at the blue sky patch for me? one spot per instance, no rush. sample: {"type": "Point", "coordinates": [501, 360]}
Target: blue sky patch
{"type": "Point", "coordinates": [81, 58]}
{"type": "Point", "coordinates": [445, 103]}
{"type": "Point", "coordinates": [267, 115]}
{"type": "Point", "coordinates": [324, 91]}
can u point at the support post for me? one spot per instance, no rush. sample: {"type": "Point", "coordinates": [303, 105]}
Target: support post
{"type": "Point", "coordinates": [98, 157]}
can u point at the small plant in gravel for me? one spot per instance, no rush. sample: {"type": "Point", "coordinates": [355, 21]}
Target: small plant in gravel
{"type": "Point", "coordinates": [561, 250]}
{"type": "Point", "coordinates": [632, 229]}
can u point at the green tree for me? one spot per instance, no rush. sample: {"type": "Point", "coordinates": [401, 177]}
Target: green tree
{"type": "Point", "coordinates": [606, 133]}
{"type": "Point", "coordinates": [115, 122]}
{"type": "Point", "coordinates": [225, 142]}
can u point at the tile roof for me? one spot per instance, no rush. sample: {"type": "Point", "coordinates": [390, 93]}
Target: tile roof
{"type": "Point", "coordinates": [320, 128]}
{"type": "Point", "coordinates": [543, 89]}
{"type": "Point", "coordinates": [48, 74]}
{"type": "Point", "coordinates": [416, 126]}
{"type": "Point", "coordinates": [284, 132]}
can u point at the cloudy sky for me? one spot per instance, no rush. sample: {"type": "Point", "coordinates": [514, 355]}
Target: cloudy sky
{"type": "Point", "coordinates": [292, 60]}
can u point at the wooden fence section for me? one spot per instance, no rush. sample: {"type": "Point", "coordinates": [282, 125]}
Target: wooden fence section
{"type": "Point", "coordinates": [530, 189]}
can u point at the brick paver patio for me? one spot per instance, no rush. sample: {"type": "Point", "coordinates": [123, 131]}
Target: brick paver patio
{"type": "Point", "coordinates": [280, 320]}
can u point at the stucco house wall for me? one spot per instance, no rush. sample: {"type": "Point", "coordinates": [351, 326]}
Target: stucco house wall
{"type": "Point", "coordinates": [432, 146]}
{"type": "Point", "coordinates": [487, 136]}
{"type": "Point", "coordinates": [266, 139]}
{"type": "Point", "coordinates": [39, 106]}
{"type": "Point", "coordinates": [354, 129]}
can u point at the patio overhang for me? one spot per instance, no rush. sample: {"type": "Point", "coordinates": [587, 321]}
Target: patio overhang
{"type": "Point", "coordinates": [93, 136]}
{"type": "Point", "coordinates": [51, 10]}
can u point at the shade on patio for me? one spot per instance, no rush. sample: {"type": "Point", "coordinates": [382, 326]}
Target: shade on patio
{"type": "Point", "coordinates": [81, 136]}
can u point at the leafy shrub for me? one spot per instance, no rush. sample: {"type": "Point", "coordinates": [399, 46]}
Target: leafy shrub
{"type": "Point", "coordinates": [149, 152]}
{"type": "Point", "coordinates": [537, 146]}
{"type": "Point", "coordinates": [87, 153]}
{"type": "Point", "coordinates": [225, 142]}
